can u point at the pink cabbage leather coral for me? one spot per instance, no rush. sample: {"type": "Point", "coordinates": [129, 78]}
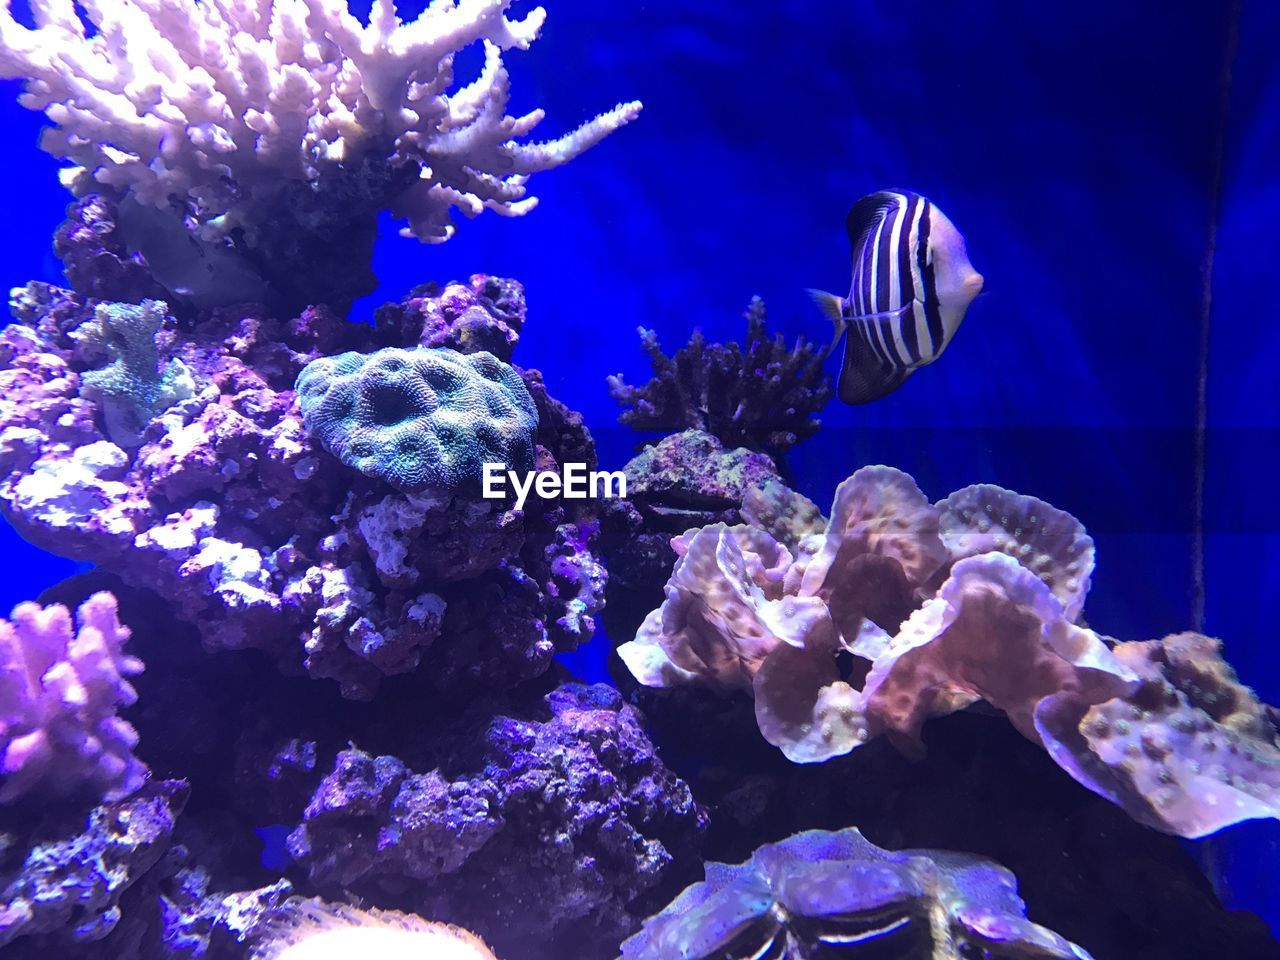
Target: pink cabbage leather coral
{"type": "Point", "coordinates": [60, 689]}
{"type": "Point", "coordinates": [897, 610]}
{"type": "Point", "coordinates": [1188, 749]}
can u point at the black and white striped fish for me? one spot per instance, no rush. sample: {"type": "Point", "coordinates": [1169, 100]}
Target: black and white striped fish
{"type": "Point", "coordinates": [912, 282]}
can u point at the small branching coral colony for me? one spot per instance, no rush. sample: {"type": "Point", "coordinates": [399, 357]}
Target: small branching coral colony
{"type": "Point", "coordinates": [273, 496]}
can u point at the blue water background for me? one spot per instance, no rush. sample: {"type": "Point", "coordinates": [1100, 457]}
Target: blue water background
{"type": "Point", "coordinates": [1074, 145]}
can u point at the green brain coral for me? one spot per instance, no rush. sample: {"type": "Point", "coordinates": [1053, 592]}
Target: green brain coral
{"type": "Point", "coordinates": [423, 420]}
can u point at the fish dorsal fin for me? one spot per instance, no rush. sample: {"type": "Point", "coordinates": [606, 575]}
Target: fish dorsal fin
{"type": "Point", "coordinates": [868, 211]}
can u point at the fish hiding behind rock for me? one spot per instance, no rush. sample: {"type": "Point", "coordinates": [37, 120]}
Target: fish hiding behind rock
{"type": "Point", "coordinates": [912, 282]}
{"type": "Point", "coordinates": [205, 273]}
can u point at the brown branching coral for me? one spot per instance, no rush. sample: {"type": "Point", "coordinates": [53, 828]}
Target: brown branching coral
{"type": "Point", "coordinates": [762, 394]}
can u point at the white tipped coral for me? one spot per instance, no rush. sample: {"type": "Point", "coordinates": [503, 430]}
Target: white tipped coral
{"type": "Point", "coordinates": [315, 930]}
{"type": "Point", "coordinates": [196, 100]}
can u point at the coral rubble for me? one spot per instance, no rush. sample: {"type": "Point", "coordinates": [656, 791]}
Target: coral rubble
{"type": "Point", "coordinates": [762, 395]}
{"type": "Point", "coordinates": [817, 890]}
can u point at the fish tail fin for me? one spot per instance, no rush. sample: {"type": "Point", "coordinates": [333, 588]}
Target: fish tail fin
{"type": "Point", "coordinates": [833, 308]}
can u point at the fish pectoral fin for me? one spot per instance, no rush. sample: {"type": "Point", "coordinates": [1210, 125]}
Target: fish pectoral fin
{"type": "Point", "coordinates": [833, 308]}
{"type": "Point", "coordinates": [887, 315]}
{"type": "Point", "coordinates": [864, 377]}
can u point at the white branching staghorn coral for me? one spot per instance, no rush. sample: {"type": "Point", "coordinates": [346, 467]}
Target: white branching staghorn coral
{"type": "Point", "coordinates": [199, 101]}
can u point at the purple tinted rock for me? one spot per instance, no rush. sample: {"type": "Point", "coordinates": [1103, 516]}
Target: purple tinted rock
{"type": "Point", "coordinates": [486, 313]}
{"type": "Point", "coordinates": [95, 258]}
{"type": "Point", "coordinates": [229, 510]}
{"type": "Point", "coordinates": [67, 888]}
{"type": "Point", "coordinates": [544, 830]}
{"type": "Point", "coordinates": [687, 480]}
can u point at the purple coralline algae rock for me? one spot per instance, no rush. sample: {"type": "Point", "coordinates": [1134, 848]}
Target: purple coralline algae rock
{"type": "Point", "coordinates": [66, 888]}
{"type": "Point", "coordinates": [687, 480]}
{"type": "Point", "coordinates": [811, 893]}
{"type": "Point", "coordinates": [96, 258]}
{"type": "Point", "coordinates": [232, 512]}
{"type": "Point", "coordinates": [545, 831]}
{"type": "Point", "coordinates": [485, 314]}
{"type": "Point", "coordinates": [60, 689]}
{"type": "Point", "coordinates": [763, 395]}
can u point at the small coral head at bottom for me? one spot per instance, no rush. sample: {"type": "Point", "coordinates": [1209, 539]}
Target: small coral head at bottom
{"type": "Point", "coordinates": [315, 930]}
{"type": "Point", "coordinates": [821, 894]}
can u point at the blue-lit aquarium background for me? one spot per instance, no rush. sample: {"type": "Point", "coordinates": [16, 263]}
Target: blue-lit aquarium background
{"type": "Point", "coordinates": [1115, 168]}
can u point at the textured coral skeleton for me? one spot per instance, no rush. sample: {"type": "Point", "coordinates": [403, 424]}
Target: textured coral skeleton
{"type": "Point", "coordinates": [199, 101]}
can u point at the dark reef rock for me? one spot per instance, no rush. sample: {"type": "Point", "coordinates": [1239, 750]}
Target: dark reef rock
{"type": "Point", "coordinates": [687, 480]}
{"type": "Point", "coordinates": [571, 810]}
{"type": "Point", "coordinates": [95, 256]}
{"type": "Point", "coordinates": [64, 872]}
{"type": "Point", "coordinates": [487, 313]}
{"type": "Point", "coordinates": [763, 395]}
{"type": "Point", "coordinates": [542, 816]}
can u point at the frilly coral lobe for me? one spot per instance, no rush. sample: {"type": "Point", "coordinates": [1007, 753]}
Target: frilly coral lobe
{"type": "Point", "coordinates": [975, 598]}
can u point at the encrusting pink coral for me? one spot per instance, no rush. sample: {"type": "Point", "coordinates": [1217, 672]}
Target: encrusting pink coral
{"type": "Point", "coordinates": [60, 689]}
{"type": "Point", "coordinates": [899, 610]}
{"type": "Point", "coordinates": [994, 632]}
